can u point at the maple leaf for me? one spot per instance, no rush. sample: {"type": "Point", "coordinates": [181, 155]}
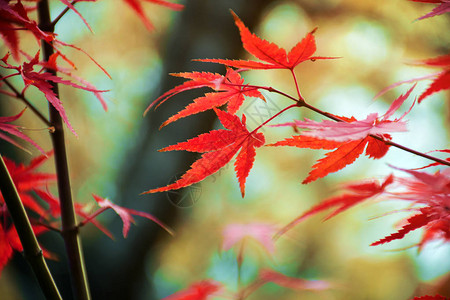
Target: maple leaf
{"type": "Point", "coordinates": [201, 290]}
{"type": "Point", "coordinates": [41, 80]}
{"type": "Point", "coordinates": [273, 56]}
{"type": "Point", "coordinates": [229, 89]}
{"type": "Point", "coordinates": [349, 137]}
{"type": "Point", "coordinates": [27, 181]}
{"type": "Point", "coordinates": [432, 193]}
{"type": "Point", "coordinates": [346, 152]}
{"type": "Point", "coordinates": [261, 232]}
{"type": "Point", "coordinates": [443, 7]}
{"type": "Point", "coordinates": [441, 80]}
{"type": "Point", "coordinates": [10, 242]}
{"type": "Point", "coordinates": [137, 7]}
{"type": "Point", "coordinates": [357, 193]}
{"type": "Point", "coordinates": [13, 129]}
{"type": "Point", "coordinates": [124, 213]}
{"type": "Point", "coordinates": [218, 148]}
{"type": "Point", "coordinates": [13, 14]}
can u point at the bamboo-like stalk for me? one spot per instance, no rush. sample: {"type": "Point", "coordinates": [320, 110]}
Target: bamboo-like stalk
{"type": "Point", "coordinates": [69, 228]}
{"type": "Point", "coordinates": [31, 250]}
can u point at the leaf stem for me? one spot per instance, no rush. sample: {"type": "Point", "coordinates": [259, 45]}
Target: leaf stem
{"type": "Point", "coordinates": [69, 229]}
{"type": "Point", "coordinates": [28, 103]}
{"type": "Point", "coordinates": [296, 85]}
{"type": "Point", "coordinates": [31, 249]}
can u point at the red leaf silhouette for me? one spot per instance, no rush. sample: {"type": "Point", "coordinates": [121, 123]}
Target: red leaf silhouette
{"type": "Point", "coordinates": [137, 7]}
{"type": "Point", "coordinates": [274, 56]}
{"type": "Point", "coordinates": [229, 89]}
{"type": "Point", "coordinates": [442, 80]}
{"type": "Point", "coordinates": [218, 148]}
{"type": "Point", "coordinates": [201, 290]}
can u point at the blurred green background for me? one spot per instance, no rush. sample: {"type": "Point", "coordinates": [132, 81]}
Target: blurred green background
{"type": "Point", "coordinates": [116, 154]}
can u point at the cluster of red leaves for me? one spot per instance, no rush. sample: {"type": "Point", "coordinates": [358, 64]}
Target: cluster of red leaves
{"type": "Point", "coordinates": [27, 182]}
{"type": "Point", "coordinates": [41, 79]}
{"type": "Point", "coordinates": [428, 193]}
{"type": "Point", "coordinates": [220, 146]}
{"type": "Point", "coordinates": [45, 208]}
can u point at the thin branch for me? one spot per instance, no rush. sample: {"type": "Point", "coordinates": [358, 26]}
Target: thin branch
{"type": "Point", "coordinates": [31, 249]}
{"type": "Point", "coordinates": [56, 20]}
{"type": "Point", "coordinates": [27, 103]}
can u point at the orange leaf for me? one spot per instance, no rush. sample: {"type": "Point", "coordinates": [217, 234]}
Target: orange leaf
{"type": "Point", "coordinates": [336, 160]}
{"type": "Point", "coordinates": [274, 56]}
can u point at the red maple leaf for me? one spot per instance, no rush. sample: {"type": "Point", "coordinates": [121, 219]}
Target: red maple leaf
{"type": "Point", "coordinates": [27, 181]}
{"type": "Point", "coordinates": [14, 130]}
{"type": "Point", "coordinates": [442, 79]}
{"type": "Point", "coordinates": [201, 290]}
{"type": "Point", "coordinates": [357, 193]}
{"type": "Point", "coordinates": [41, 80]}
{"type": "Point", "coordinates": [431, 192]}
{"type": "Point", "coordinates": [443, 7]}
{"type": "Point", "coordinates": [218, 148]}
{"type": "Point", "coordinates": [229, 89]}
{"type": "Point", "coordinates": [137, 7]}
{"type": "Point", "coordinates": [274, 56]}
{"type": "Point", "coordinates": [10, 242]}
{"type": "Point", "coordinates": [14, 17]}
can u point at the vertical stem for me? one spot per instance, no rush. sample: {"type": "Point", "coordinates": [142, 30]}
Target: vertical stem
{"type": "Point", "coordinates": [68, 217]}
{"type": "Point", "coordinates": [31, 249]}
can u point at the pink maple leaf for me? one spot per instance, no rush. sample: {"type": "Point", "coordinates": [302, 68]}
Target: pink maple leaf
{"type": "Point", "coordinates": [261, 232]}
{"type": "Point", "coordinates": [124, 213]}
{"type": "Point", "coordinates": [355, 130]}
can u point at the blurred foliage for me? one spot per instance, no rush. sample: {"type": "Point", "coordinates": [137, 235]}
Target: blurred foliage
{"type": "Point", "coordinates": [375, 40]}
